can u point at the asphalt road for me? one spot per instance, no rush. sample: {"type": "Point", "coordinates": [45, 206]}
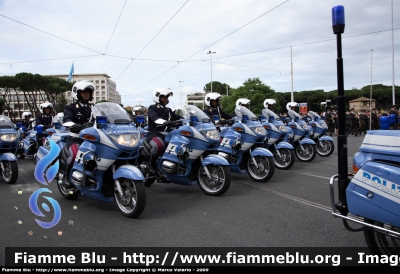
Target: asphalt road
{"type": "Point", "coordinates": [290, 210]}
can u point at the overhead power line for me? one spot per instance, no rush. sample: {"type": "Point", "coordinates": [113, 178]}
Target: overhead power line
{"type": "Point", "coordinates": [50, 34]}
{"type": "Point", "coordinates": [214, 42]}
{"type": "Point", "coordinates": [151, 40]}
{"type": "Point", "coordinates": [115, 27]}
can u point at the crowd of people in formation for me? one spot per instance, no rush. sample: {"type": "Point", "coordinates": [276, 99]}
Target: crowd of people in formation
{"type": "Point", "coordinates": [357, 123]}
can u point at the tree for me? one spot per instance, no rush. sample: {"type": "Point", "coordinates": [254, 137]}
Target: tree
{"type": "Point", "coordinates": [254, 90]}
{"type": "Point", "coordinates": [2, 104]}
{"type": "Point", "coordinates": [32, 87]}
{"type": "Point", "coordinates": [217, 87]}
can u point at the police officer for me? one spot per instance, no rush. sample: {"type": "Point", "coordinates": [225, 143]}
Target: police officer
{"type": "Point", "coordinates": [212, 101]}
{"type": "Point", "coordinates": [374, 119]}
{"type": "Point", "coordinates": [395, 111]}
{"type": "Point", "coordinates": [353, 123]}
{"type": "Point", "coordinates": [329, 121]}
{"type": "Point", "coordinates": [44, 119]}
{"type": "Point", "coordinates": [79, 113]}
{"type": "Point", "coordinates": [348, 123]}
{"type": "Point", "coordinates": [26, 120]}
{"type": "Point", "coordinates": [159, 117]}
{"type": "Point", "coordinates": [364, 122]}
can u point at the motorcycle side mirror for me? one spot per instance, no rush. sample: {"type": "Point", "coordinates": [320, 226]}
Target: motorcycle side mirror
{"type": "Point", "coordinates": [216, 118]}
{"type": "Point", "coordinates": [139, 119]}
{"type": "Point", "coordinates": [261, 118]}
{"type": "Point", "coordinates": [39, 129]}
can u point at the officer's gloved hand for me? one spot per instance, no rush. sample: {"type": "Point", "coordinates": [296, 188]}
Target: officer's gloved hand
{"type": "Point", "coordinates": [168, 123]}
{"type": "Point", "coordinates": [76, 126]}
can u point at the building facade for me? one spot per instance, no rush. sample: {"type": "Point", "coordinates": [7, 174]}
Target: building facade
{"type": "Point", "coordinates": [362, 103]}
{"type": "Point", "coordinates": [106, 89]}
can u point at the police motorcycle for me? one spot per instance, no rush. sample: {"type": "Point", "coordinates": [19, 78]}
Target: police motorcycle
{"type": "Point", "coordinates": [319, 133]}
{"type": "Point", "coordinates": [242, 145]}
{"type": "Point", "coordinates": [9, 136]}
{"type": "Point", "coordinates": [189, 158]}
{"type": "Point", "coordinates": [284, 156]}
{"type": "Point", "coordinates": [103, 169]}
{"type": "Point", "coordinates": [370, 196]}
{"type": "Point", "coordinates": [304, 148]}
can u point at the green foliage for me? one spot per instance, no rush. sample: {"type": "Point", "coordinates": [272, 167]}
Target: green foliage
{"type": "Point", "coordinates": [217, 87]}
{"type": "Point", "coordinates": [254, 90]}
{"type": "Point", "coordinates": [31, 87]}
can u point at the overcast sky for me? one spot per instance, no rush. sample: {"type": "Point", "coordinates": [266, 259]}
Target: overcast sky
{"type": "Point", "coordinates": [169, 41]}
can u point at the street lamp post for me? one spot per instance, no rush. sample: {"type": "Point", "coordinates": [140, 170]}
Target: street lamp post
{"type": "Point", "coordinates": [338, 24]}
{"type": "Point", "coordinates": [181, 95]}
{"type": "Point", "coordinates": [211, 53]}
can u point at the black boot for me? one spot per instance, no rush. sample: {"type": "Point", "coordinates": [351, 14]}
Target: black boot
{"type": "Point", "coordinates": [153, 164]}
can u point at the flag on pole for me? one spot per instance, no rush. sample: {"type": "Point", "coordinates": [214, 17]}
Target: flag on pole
{"type": "Point", "coordinates": [70, 73]}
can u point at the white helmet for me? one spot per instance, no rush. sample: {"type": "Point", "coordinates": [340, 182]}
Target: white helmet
{"type": "Point", "coordinates": [242, 101]}
{"type": "Point", "coordinates": [24, 114]}
{"type": "Point", "coordinates": [269, 102]}
{"type": "Point", "coordinates": [45, 105]}
{"type": "Point", "coordinates": [212, 96]}
{"type": "Point", "coordinates": [290, 105]}
{"type": "Point", "coordinates": [161, 91]}
{"type": "Point", "coordinates": [82, 85]}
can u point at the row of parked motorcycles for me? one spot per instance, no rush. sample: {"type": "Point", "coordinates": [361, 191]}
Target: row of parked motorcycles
{"type": "Point", "coordinates": [114, 162]}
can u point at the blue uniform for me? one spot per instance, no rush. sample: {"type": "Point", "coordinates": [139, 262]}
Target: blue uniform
{"type": "Point", "coordinates": [211, 111]}
{"type": "Point", "coordinates": [44, 120]}
{"type": "Point", "coordinates": [77, 113]}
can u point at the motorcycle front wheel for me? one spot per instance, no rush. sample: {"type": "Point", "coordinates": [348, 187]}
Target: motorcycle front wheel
{"type": "Point", "coordinates": [306, 155]}
{"type": "Point", "coordinates": [133, 200]}
{"type": "Point", "coordinates": [325, 148]}
{"type": "Point", "coordinates": [286, 160]}
{"type": "Point", "coordinates": [10, 172]}
{"type": "Point", "coordinates": [382, 244]}
{"type": "Point", "coordinates": [262, 170]}
{"type": "Point", "coordinates": [219, 182]}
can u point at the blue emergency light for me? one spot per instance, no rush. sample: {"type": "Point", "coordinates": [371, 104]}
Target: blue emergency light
{"type": "Point", "coordinates": [194, 118]}
{"type": "Point", "coordinates": [101, 120]}
{"type": "Point", "coordinates": [139, 119]}
{"type": "Point", "coordinates": [39, 129]}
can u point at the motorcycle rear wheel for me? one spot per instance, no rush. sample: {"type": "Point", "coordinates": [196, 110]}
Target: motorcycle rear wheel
{"type": "Point", "coordinates": [288, 154]}
{"type": "Point", "coordinates": [264, 171]}
{"type": "Point", "coordinates": [220, 179]}
{"type": "Point", "coordinates": [308, 155]}
{"type": "Point", "coordinates": [382, 244]}
{"type": "Point", "coordinates": [10, 172]}
{"type": "Point", "coordinates": [133, 201]}
{"type": "Point", "coordinates": [327, 148]}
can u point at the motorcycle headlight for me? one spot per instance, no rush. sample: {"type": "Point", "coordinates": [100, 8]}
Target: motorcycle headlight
{"type": "Point", "coordinates": [8, 137]}
{"type": "Point", "coordinates": [259, 130]}
{"type": "Point", "coordinates": [211, 134]}
{"type": "Point", "coordinates": [129, 140]}
{"type": "Point", "coordinates": [283, 128]}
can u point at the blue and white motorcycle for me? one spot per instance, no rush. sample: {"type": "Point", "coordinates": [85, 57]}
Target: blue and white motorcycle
{"type": "Point", "coordinates": [284, 156]}
{"type": "Point", "coordinates": [9, 137]}
{"type": "Point", "coordinates": [242, 145]}
{"type": "Point", "coordinates": [304, 148]}
{"type": "Point", "coordinates": [319, 133]}
{"type": "Point", "coordinates": [189, 158]}
{"type": "Point", "coordinates": [103, 169]}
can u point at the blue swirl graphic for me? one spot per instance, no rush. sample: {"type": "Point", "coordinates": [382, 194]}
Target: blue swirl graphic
{"type": "Point", "coordinates": [41, 166]}
{"type": "Point", "coordinates": [35, 209]}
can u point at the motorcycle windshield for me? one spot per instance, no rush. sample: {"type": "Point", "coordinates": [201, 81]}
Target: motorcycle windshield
{"type": "Point", "coordinates": [5, 122]}
{"type": "Point", "coordinates": [191, 110]}
{"type": "Point", "coordinates": [114, 112]}
{"type": "Point", "coordinates": [314, 115]}
{"type": "Point", "coordinates": [270, 113]}
{"type": "Point", "coordinates": [241, 111]}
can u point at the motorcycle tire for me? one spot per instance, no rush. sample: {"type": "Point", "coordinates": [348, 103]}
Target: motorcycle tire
{"type": "Point", "coordinates": [266, 162]}
{"type": "Point", "coordinates": [380, 243]}
{"type": "Point", "coordinates": [134, 198]}
{"type": "Point", "coordinates": [10, 175]}
{"type": "Point", "coordinates": [330, 148]}
{"type": "Point", "coordinates": [288, 164]}
{"type": "Point", "coordinates": [306, 158]}
{"type": "Point", "coordinates": [220, 179]}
